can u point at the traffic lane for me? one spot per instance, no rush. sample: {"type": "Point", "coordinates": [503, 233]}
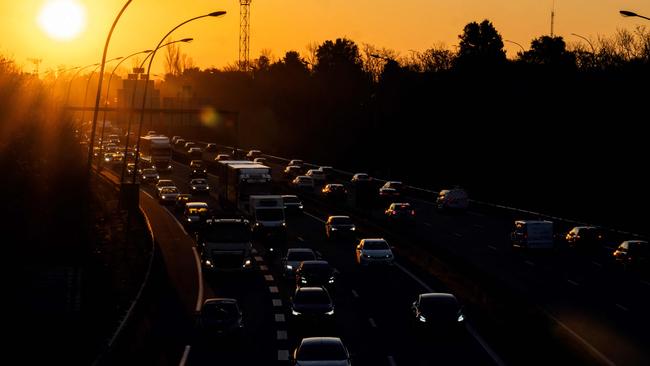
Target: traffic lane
{"type": "Point", "coordinates": [381, 298]}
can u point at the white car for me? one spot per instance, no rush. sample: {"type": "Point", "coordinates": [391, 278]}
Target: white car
{"type": "Point", "coordinates": [317, 175]}
{"type": "Point", "coordinates": [164, 183]}
{"type": "Point", "coordinates": [303, 181]}
{"type": "Point", "coordinates": [374, 251]}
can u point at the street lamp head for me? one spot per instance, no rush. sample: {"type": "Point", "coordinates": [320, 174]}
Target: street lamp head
{"type": "Point", "coordinates": [217, 13]}
{"type": "Point", "coordinates": [147, 51]}
{"type": "Point", "coordinates": [186, 40]}
{"type": "Point", "coordinates": [626, 13]}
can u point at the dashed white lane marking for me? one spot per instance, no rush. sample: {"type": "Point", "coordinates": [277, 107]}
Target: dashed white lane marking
{"type": "Point", "coordinates": [391, 361]}
{"type": "Point", "coordinates": [372, 322]}
{"type": "Point", "coordinates": [268, 278]}
{"type": "Point", "coordinates": [283, 355]}
{"type": "Point", "coordinates": [355, 294]}
{"type": "Point", "coordinates": [574, 283]}
{"type": "Point", "coordinates": [314, 217]}
{"type": "Point", "coordinates": [186, 354]}
{"type": "Point", "coordinates": [492, 247]}
{"type": "Point", "coordinates": [199, 297]}
{"type": "Point", "coordinates": [458, 235]}
{"type": "Point", "coordinates": [254, 251]}
{"type": "Point", "coordinates": [301, 239]}
{"type": "Point", "coordinates": [264, 268]}
{"type": "Point", "coordinates": [277, 303]}
{"type": "Point", "coordinates": [597, 264]}
{"type": "Point", "coordinates": [281, 335]}
{"type": "Point", "coordinates": [530, 263]}
{"type": "Point", "coordinates": [622, 307]}
{"type": "Point", "coordinates": [279, 318]}
{"type": "Point", "coordinates": [259, 259]}
{"type": "Point", "coordinates": [273, 289]}
{"type": "Point", "coordinates": [427, 224]}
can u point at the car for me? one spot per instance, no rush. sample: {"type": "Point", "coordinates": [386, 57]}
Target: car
{"type": "Point", "coordinates": [391, 189]}
{"type": "Point", "coordinates": [321, 351]}
{"type": "Point", "coordinates": [339, 226]}
{"type": "Point", "coordinates": [175, 138]}
{"type": "Point", "coordinates": [163, 183]}
{"type": "Point", "coordinates": [633, 254]}
{"type": "Point", "coordinates": [181, 200]}
{"type": "Point", "coordinates": [221, 316]}
{"type": "Point", "coordinates": [452, 199]}
{"type": "Point", "coordinates": [199, 186]}
{"type": "Point", "coordinates": [303, 182]}
{"type": "Point", "coordinates": [334, 192]}
{"type": "Point", "coordinates": [149, 176]}
{"type": "Point", "coordinates": [260, 161]}
{"type": "Point", "coordinates": [309, 304]}
{"type": "Point", "coordinates": [168, 195]}
{"type": "Point", "coordinates": [222, 157]}
{"type": "Point", "coordinates": [130, 167]}
{"type": "Point", "coordinates": [151, 133]}
{"type": "Point", "coordinates": [195, 152]}
{"type": "Point", "coordinates": [438, 312]}
{"type": "Point", "coordinates": [292, 204]}
{"type": "Point", "coordinates": [296, 162]}
{"type": "Point", "coordinates": [198, 169]}
{"type": "Point", "coordinates": [400, 212]}
{"type": "Point", "coordinates": [294, 256]}
{"type": "Point", "coordinates": [292, 171]}
{"type": "Point", "coordinates": [195, 213]}
{"type": "Point", "coordinates": [360, 178]}
{"type": "Point", "coordinates": [180, 143]}
{"type": "Point", "coordinates": [189, 144]}
{"type": "Point", "coordinates": [211, 147]}
{"type": "Point", "coordinates": [374, 251]}
{"type": "Point", "coordinates": [316, 273]}
{"type": "Point", "coordinates": [317, 175]}
{"type": "Point", "coordinates": [252, 154]}
{"type": "Point", "coordinates": [327, 170]}
{"type": "Point", "coordinates": [586, 238]}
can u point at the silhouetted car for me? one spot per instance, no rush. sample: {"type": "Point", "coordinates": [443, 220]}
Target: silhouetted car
{"type": "Point", "coordinates": [312, 304]}
{"type": "Point", "coordinates": [438, 312]}
{"type": "Point", "coordinates": [199, 186]}
{"type": "Point", "coordinates": [260, 161]}
{"type": "Point", "coordinates": [168, 195]}
{"type": "Point", "coordinates": [321, 351]}
{"type": "Point", "coordinates": [222, 157]}
{"type": "Point", "coordinates": [586, 238]}
{"type": "Point", "coordinates": [296, 162]}
{"type": "Point", "coordinates": [198, 169]}
{"type": "Point", "coordinates": [195, 214]}
{"type": "Point", "coordinates": [303, 182]}
{"type": "Point", "coordinates": [221, 316]}
{"type": "Point", "coordinates": [175, 138]}
{"type": "Point", "coordinates": [400, 212]}
{"type": "Point", "coordinates": [294, 256]}
{"type": "Point", "coordinates": [292, 204]}
{"type": "Point", "coordinates": [452, 199]}
{"type": "Point", "coordinates": [391, 189]}
{"type": "Point", "coordinates": [317, 273]}
{"type": "Point", "coordinates": [292, 171]}
{"type": "Point", "coordinates": [317, 175]}
{"type": "Point", "coordinates": [374, 251]}
{"type": "Point", "coordinates": [149, 176]}
{"type": "Point", "coordinates": [189, 145]}
{"type": "Point", "coordinates": [339, 226]}
{"type": "Point", "coordinates": [633, 254]}
{"type": "Point", "coordinates": [165, 183]}
{"type": "Point", "coordinates": [334, 192]}
{"type": "Point", "coordinates": [181, 200]}
{"type": "Point", "coordinates": [253, 154]}
{"type": "Point", "coordinates": [195, 152]}
{"type": "Point", "coordinates": [180, 143]}
{"type": "Point", "coordinates": [360, 177]}
{"type": "Point", "coordinates": [211, 147]}
{"type": "Point", "coordinates": [327, 170]}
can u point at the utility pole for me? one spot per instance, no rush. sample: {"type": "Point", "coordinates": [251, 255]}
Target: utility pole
{"type": "Point", "coordinates": [244, 34]}
{"type": "Point", "coordinates": [552, 18]}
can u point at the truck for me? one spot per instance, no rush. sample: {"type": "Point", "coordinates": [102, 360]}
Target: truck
{"type": "Point", "coordinates": [225, 245]}
{"type": "Point", "coordinates": [266, 213]}
{"type": "Point", "coordinates": [532, 234]}
{"type": "Point", "coordinates": [237, 181]}
{"type": "Point", "coordinates": [156, 150]}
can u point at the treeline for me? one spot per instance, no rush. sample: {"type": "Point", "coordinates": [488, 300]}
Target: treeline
{"type": "Point", "coordinates": [559, 128]}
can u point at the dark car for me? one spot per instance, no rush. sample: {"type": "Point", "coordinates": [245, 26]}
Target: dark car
{"type": "Point", "coordinates": [321, 351]}
{"type": "Point", "coordinates": [400, 212]}
{"type": "Point", "coordinates": [586, 238]}
{"type": "Point", "coordinates": [195, 214]}
{"type": "Point", "coordinates": [312, 304]}
{"type": "Point", "coordinates": [633, 254]}
{"type": "Point", "coordinates": [198, 169]}
{"type": "Point", "coordinates": [292, 204]}
{"type": "Point", "coordinates": [195, 152]}
{"type": "Point", "coordinates": [199, 186]}
{"type": "Point", "coordinates": [181, 200]}
{"type": "Point", "coordinates": [391, 189]}
{"type": "Point", "coordinates": [316, 273]}
{"type": "Point", "coordinates": [339, 226]}
{"type": "Point", "coordinates": [221, 316]}
{"type": "Point", "coordinates": [439, 312]}
{"type": "Point", "coordinates": [292, 171]}
{"type": "Point", "coordinates": [252, 154]}
{"type": "Point", "coordinates": [211, 147]}
{"type": "Point", "coordinates": [334, 192]}
{"type": "Point", "coordinates": [291, 261]}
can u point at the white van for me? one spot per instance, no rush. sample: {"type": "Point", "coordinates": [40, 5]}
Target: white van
{"type": "Point", "coordinates": [454, 199]}
{"type": "Point", "coordinates": [532, 234]}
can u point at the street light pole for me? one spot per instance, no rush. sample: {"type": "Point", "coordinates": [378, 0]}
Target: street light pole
{"type": "Point", "coordinates": [627, 13]}
{"type": "Point", "coordinates": [83, 106]}
{"type": "Point", "coordinates": [144, 94]}
{"type": "Point", "coordinates": [593, 50]}
{"type": "Point", "coordinates": [520, 46]}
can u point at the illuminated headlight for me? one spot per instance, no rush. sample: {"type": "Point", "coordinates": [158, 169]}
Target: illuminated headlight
{"type": "Point", "coordinates": [207, 187]}
{"type": "Point", "coordinates": [290, 268]}
{"type": "Point", "coordinates": [353, 228]}
{"type": "Point", "coordinates": [284, 224]}
{"type": "Point", "coordinates": [208, 263]}
{"type": "Point", "coordinates": [294, 312]}
{"type": "Point", "coordinates": [365, 255]}
{"type": "Point", "coordinates": [107, 159]}
{"type": "Point", "coordinates": [303, 280]}
{"type": "Point", "coordinates": [257, 224]}
{"type": "Point", "coordinates": [189, 219]}
{"type": "Point", "coordinates": [169, 167]}
{"type": "Point", "coordinates": [461, 318]}
{"type": "Point", "coordinates": [389, 256]}
{"type": "Point", "coordinates": [331, 280]}
{"type": "Point", "coordinates": [422, 319]}
{"type": "Point", "coordinates": [157, 177]}
{"type": "Point", "coordinates": [331, 312]}
{"type": "Point", "coordinates": [193, 187]}
{"type": "Point", "coordinates": [300, 207]}
{"type": "Point", "coordinates": [164, 197]}
{"type": "Point", "coordinates": [334, 229]}
{"type": "Point", "coordinates": [247, 262]}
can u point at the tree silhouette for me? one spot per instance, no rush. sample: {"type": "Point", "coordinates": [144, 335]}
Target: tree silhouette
{"type": "Point", "coordinates": [551, 52]}
{"type": "Point", "coordinates": [339, 57]}
{"type": "Point", "coordinates": [481, 46]}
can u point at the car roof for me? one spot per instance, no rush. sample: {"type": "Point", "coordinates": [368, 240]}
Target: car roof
{"type": "Point", "coordinates": [219, 300]}
{"type": "Point", "coordinates": [338, 217]}
{"type": "Point", "coordinates": [196, 204]}
{"type": "Point", "coordinates": [335, 185]}
{"type": "Point", "coordinates": [166, 181]}
{"type": "Point", "coordinates": [373, 240]}
{"type": "Point", "coordinates": [439, 296]}
{"type": "Point", "coordinates": [299, 250]}
{"type": "Point", "coordinates": [316, 262]}
{"type": "Point", "coordinates": [289, 196]}
{"type": "Point", "coordinates": [311, 289]}
{"type": "Point", "coordinates": [311, 341]}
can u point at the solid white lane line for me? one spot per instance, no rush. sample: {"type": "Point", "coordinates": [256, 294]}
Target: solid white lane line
{"type": "Point", "coordinates": [199, 297]}
{"type": "Point", "coordinates": [355, 294]}
{"type": "Point", "coordinates": [283, 355]}
{"type": "Point", "coordinates": [372, 322]}
{"type": "Point", "coordinates": [458, 235]}
{"type": "Point", "coordinates": [279, 318]}
{"type": "Point", "coordinates": [391, 361]}
{"type": "Point", "coordinates": [150, 196]}
{"type": "Point", "coordinates": [264, 268]}
{"type": "Point", "coordinates": [186, 354]}
{"type": "Point", "coordinates": [314, 217]}
{"type": "Point", "coordinates": [268, 278]}
{"type": "Point", "coordinates": [492, 247]}
{"type": "Point", "coordinates": [277, 303]}
{"type": "Point", "coordinates": [259, 258]}
{"type": "Point", "coordinates": [414, 277]}
{"type": "Point", "coordinates": [622, 307]}
{"type": "Point", "coordinates": [301, 239]}
{"type": "Point", "coordinates": [281, 335]}
{"type": "Point", "coordinates": [574, 283]}
{"type": "Point", "coordinates": [273, 289]}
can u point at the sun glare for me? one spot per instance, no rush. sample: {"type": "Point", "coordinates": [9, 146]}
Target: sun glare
{"type": "Point", "coordinates": [62, 19]}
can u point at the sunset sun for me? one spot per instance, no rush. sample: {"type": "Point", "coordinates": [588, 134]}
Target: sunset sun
{"type": "Point", "coordinates": [62, 19]}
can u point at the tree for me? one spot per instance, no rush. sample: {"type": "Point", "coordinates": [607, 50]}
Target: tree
{"type": "Point", "coordinates": [339, 57]}
{"type": "Point", "coordinates": [550, 52]}
{"type": "Point", "coordinates": [481, 46]}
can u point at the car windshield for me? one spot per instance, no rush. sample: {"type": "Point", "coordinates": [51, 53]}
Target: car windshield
{"type": "Point", "coordinates": [300, 256]}
{"type": "Point", "coordinates": [321, 351]}
{"type": "Point", "coordinates": [221, 311]}
{"type": "Point", "coordinates": [199, 181]}
{"type": "Point", "coordinates": [439, 308]}
{"type": "Point", "coordinates": [169, 190]}
{"type": "Point", "coordinates": [149, 171]}
{"type": "Point", "coordinates": [341, 221]}
{"type": "Point", "coordinates": [227, 232]}
{"type": "Point", "coordinates": [197, 210]}
{"type": "Point", "coordinates": [375, 245]}
{"type": "Point", "coordinates": [316, 268]}
{"type": "Point", "coordinates": [270, 214]}
{"type": "Point", "coordinates": [311, 297]}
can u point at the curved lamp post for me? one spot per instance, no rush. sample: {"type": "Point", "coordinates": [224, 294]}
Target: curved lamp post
{"type": "Point", "coordinates": [80, 69]}
{"type": "Point", "coordinates": [83, 106]}
{"type": "Point", "coordinates": [144, 94]}
{"type": "Point", "coordinates": [593, 50]}
{"type": "Point", "coordinates": [520, 46]}
{"type": "Point", "coordinates": [135, 85]}
{"type": "Point", "coordinates": [627, 13]}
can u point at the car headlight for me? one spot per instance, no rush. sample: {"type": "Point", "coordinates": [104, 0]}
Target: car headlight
{"type": "Point", "coordinates": [333, 229]}
{"type": "Point", "coordinates": [157, 177]}
{"type": "Point", "coordinates": [164, 197]}
{"type": "Point", "coordinates": [295, 312]}
{"type": "Point", "coordinates": [247, 262]}
{"type": "Point", "coordinates": [365, 255]}
{"type": "Point", "coordinates": [289, 267]}
{"type": "Point", "coordinates": [331, 312]}
{"type": "Point", "coordinates": [284, 224]}
{"type": "Point", "coordinates": [422, 319]}
{"type": "Point", "coordinates": [207, 187]}
{"type": "Point", "coordinates": [193, 187]}
{"type": "Point", "coordinates": [303, 280]}
{"type": "Point", "coordinates": [300, 207]}
{"type": "Point", "coordinates": [189, 219]}
{"type": "Point", "coordinates": [389, 256]}
{"type": "Point", "coordinates": [353, 228]}
{"type": "Point", "coordinates": [208, 263]}
{"type": "Point", "coordinates": [461, 318]}
{"type": "Point", "coordinates": [331, 280]}
{"type": "Point", "coordinates": [169, 167]}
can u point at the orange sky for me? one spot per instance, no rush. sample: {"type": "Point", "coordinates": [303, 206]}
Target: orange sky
{"type": "Point", "coordinates": [281, 25]}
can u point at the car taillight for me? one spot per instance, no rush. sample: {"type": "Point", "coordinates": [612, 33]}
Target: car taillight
{"type": "Point", "coordinates": [412, 212]}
